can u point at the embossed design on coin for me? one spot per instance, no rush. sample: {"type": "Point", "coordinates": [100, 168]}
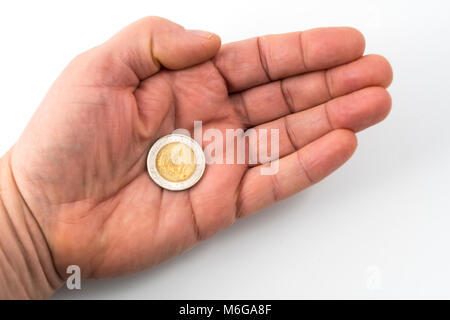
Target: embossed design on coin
{"type": "Point", "coordinates": [176, 162]}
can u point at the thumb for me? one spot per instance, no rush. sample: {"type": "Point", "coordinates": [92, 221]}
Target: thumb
{"type": "Point", "coordinates": [152, 42]}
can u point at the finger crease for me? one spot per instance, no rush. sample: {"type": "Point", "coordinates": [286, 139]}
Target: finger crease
{"type": "Point", "coordinates": [225, 80]}
{"type": "Point", "coordinates": [327, 116]}
{"type": "Point", "coordinates": [290, 134]}
{"type": "Point", "coordinates": [198, 236]}
{"type": "Point", "coordinates": [287, 97]}
{"type": "Point", "coordinates": [263, 59]}
{"type": "Point", "coordinates": [239, 201]}
{"type": "Point", "coordinates": [303, 167]}
{"type": "Point", "coordinates": [327, 79]}
{"type": "Point", "coordinates": [276, 188]}
{"type": "Point", "coordinates": [243, 111]}
{"type": "Point", "coordinates": [302, 52]}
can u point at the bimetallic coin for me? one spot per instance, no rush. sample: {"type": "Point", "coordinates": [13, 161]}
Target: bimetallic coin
{"type": "Point", "coordinates": [176, 162]}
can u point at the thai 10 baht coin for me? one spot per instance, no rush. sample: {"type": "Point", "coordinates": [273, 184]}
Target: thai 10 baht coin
{"type": "Point", "coordinates": [176, 162]}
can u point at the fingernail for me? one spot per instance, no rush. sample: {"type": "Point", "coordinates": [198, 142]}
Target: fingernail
{"type": "Point", "coordinates": [201, 33]}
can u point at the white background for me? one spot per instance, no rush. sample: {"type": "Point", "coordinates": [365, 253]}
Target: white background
{"type": "Point", "coordinates": [377, 228]}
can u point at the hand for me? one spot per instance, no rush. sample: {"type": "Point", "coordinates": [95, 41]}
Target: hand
{"type": "Point", "coordinates": [80, 165]}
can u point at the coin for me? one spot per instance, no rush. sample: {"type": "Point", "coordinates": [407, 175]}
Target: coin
{"type": "Point", "coordinates": [176, 162]}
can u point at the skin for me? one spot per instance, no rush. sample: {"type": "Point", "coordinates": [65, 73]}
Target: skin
{"type": "Point", "coordinates": [79, 168]}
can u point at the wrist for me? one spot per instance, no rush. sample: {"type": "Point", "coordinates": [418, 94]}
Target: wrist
{"type": "Point", "coordinates": [26, 266]}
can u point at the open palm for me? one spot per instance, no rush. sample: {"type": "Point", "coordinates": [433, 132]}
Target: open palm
{"type": "Point", "coordinates": [81, 162]}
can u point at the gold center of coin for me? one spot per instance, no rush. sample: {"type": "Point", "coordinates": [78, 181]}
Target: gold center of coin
{"type": "Point", "coordinates": [176, 162]}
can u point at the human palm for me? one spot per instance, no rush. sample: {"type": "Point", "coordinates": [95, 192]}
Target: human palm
{"type": "Point", "coordinates": [81, 163]}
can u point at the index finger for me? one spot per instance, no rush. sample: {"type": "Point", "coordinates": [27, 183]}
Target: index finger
{"type": "Point", "coordinates": [248, 63]}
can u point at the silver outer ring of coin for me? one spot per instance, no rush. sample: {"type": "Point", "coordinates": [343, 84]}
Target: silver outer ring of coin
{"type": "Point", "coordinates": [199, 161]}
